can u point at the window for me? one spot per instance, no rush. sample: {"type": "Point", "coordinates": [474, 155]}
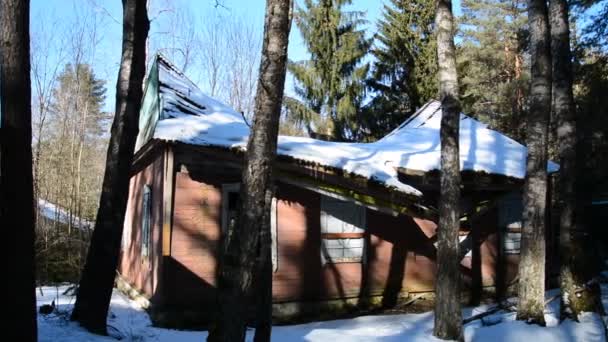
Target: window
{"type": "Point", "coordinates": [510, 210]}
{"type": "Point", "coordinates": [511, 243]}
{"type": "Point", "coordinates": [230, 206]}
{"type": "Point", "coordinates": [146, 218]}
{"type": "Point", "coordinates": [342, 231]}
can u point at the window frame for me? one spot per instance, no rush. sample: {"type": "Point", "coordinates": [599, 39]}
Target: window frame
{"type": "Point", "coordinates": [228, 188]}
{"type": "Point", "coordinates": [510, 223]}
{"type": "Point", "coordinates": [146, 220]}
{"type": "Point", "coordinates": [343, 236]}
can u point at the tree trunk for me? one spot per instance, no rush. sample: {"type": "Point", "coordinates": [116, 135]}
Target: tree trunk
{"type": "Point", "coordinates": [448, 315]}
{"type": "Point", "coordinates": [16, 183]}
{"type": "Point", "coordinates": [251, 234]}
{"type": "Point", "coordinates": [576, 297]}
{"type": "Point", "coordinates": [263, 316]}
{"type": "Point", "coordinates": [533, 245]}
{"type": "Point", "coordinates": [93, 300]}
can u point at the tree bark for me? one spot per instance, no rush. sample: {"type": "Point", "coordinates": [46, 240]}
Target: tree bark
{"type": "Point", "coordinates": [93, 300]}
{"type": "Point", "coordinates": [448, 315]}
{"type": "Point", "coordinates": [263, 327]}
{"type": "Point", "coordinates": [251, 234]}
{"type": "Point", "coordinates": [576, 297]}
{"type": "Point", "coordinates": [16, 180]}
{"type": "Point", "coordinates": [533, 245]}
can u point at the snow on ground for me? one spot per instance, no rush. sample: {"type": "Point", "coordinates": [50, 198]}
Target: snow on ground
{"type": "Point", "coordinates": [129, 322]}
{"type": "Point", "coordinates": [54, 212]}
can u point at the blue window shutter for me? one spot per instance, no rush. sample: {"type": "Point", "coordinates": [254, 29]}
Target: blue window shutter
{"type": "Point", "coordinates": [146, 220]}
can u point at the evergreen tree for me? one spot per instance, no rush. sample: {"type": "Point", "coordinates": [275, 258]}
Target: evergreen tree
{"type": "Point", "coordinates": [404, 72]}
{"type": "Point", "coordinates": [80, 96]}
{"type": "Point", "coordinates": [492, 63]}
{"type": "Point", "coordinates": [595, 28]}
{"type": "Point", "coordinates": [448, 314]}
{"type": "Point", "coordinates": [331, 84]}
{"type": "Point", "coordinates": [531, 303]}
{"type": "Point", "coordinates": [576, 296]}
{"type": "Point", "coordinates": [69, 166]}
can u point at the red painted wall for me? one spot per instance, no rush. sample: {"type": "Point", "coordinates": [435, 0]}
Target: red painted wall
{"type": "Point", "coordinates": [143, 272]}
{"type": "Point", "coordinates": [399, 254]}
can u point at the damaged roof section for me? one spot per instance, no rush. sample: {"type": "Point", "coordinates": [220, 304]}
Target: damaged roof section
{"type": "Point", "coordinates": [188, 116]}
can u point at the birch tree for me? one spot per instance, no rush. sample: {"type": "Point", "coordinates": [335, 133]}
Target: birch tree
{"type": "Point", "coordinates": [533, 246]}
{"type": "Point", "coordinates": [16, 185]}
{"type": "Point", "coordinates": [251, 234]}
{"type": "Point", "coordinates": [93, 300]}
{"type": "Point", "coordinates": [448, 315]}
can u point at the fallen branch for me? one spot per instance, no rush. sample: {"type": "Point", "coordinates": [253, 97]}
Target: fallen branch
{"type": "Point", "coordinates": [551, 299]}
{"type": "Point", "coordinates": [482, 315]}
{"type": "Point", "coordinates": [506, 306]}
{"type": "Point", "coordinates": [413, 299]}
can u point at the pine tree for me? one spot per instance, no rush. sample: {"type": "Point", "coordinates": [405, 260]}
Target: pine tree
{"type": "Point", "coordinates": [404, 72]}
{"type": "Point", "coordinates": [331, 84]}
{"type": "Point", "coordinates": [448, 315]}
{"type": "Point", "coordinates": [531, 303]}
{"type": "Point", "coordinates": [492, 61]}
{"type": "Point", "coordinates": [576, 296]}
{"type": "Point", "coordinates": [595, 30]}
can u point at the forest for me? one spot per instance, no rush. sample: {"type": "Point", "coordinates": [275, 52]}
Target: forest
{"type": "Point", "coordinates": [342, 76]}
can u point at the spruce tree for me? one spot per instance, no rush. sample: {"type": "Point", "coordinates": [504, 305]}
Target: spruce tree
{"type": "Point", "coordinates": [330, 84]}
{"type": "Point", "coordinates": [403, 76]}
{"type": "Point", "coordinates": [492, 63]}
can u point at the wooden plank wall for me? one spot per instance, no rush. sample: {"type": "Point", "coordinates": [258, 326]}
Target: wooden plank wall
{"type": "Point", "coordinates": [143, 272]}
{"type": "Point", "coordinates": [196, 232]}
{"type": "Point", "coordinates": [399, 254]}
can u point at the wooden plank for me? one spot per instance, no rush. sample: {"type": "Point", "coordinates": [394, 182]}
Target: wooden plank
{"type": "Point", "coordinates": [312, 187]}
{"type": "Point", "coordinates": [168, 184]}
{"type": "Point", "coordinates": [342, 235]}
{"type": "Point", "coordinates": [379, 196]}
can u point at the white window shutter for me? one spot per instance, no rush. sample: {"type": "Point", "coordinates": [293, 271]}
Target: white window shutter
{"type": "Point", "coordinates": [273, 232]}
{"type": "Point", "coordinates": [338, 217]}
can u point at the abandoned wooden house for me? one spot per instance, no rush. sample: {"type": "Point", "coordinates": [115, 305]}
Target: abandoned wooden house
{"type": "Point", "coordinates": [352, 223]}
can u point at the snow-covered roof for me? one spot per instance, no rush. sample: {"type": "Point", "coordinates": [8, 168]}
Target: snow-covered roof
{"type": "Point", "coordinates": [189, 116]}
{"type": "Point", "coordinates": [56, 213]}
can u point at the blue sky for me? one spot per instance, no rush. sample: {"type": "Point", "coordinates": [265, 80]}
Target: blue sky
{"type": "Point", "coordinates": [109, 14]}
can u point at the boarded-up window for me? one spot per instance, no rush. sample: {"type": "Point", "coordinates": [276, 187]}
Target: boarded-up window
{"type": "Point", "coordinates": [510, 210]}
{"type": "Point", "coordinates": [230, 206]}
{"type": "Point", "coordinates": [511, 243]}
{"type": "Point", "coordinates": [342, 231]}
{"type": "Point", "coordinates": [146, 219]}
